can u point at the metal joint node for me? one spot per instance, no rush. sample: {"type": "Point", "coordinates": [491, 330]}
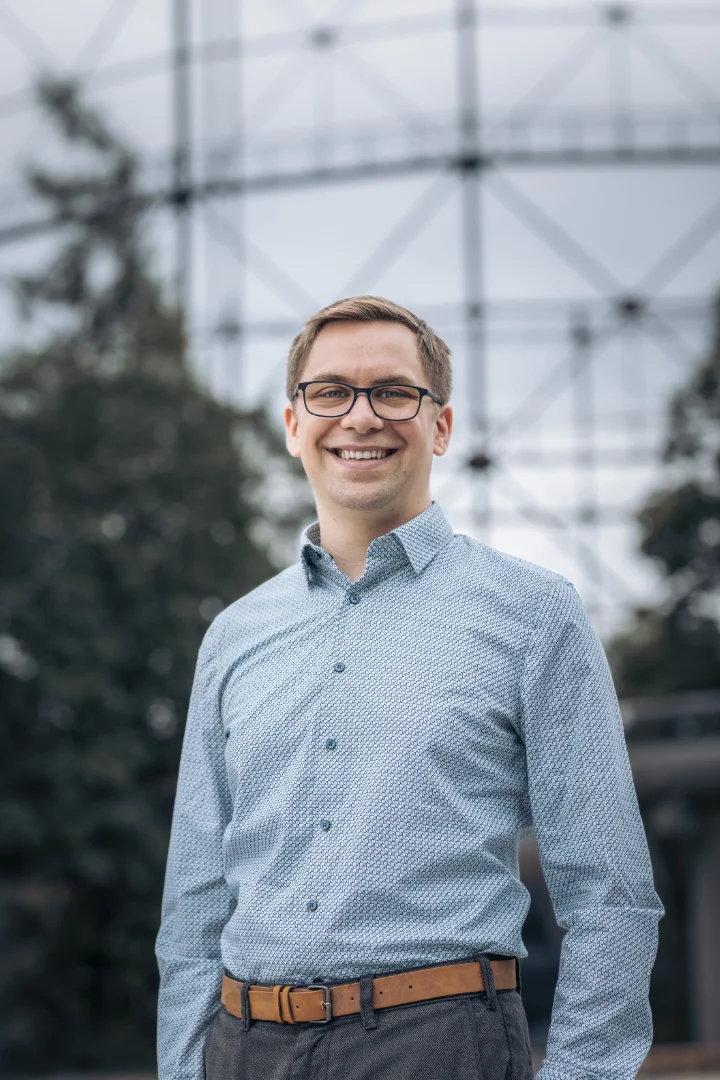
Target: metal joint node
{"type": "Point", "coordinates": [617, 14]}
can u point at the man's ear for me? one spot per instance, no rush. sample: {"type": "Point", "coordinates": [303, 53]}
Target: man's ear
{"type": "Point", "coordinates": [291, 430]}
{"type": "Point", "coordinates": [442, 429]}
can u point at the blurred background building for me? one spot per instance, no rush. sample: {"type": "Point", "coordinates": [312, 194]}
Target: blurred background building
{"type": "Point", "coordinates": [181, 185]}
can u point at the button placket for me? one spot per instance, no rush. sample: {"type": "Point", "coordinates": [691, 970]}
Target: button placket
{"type": "Point", "coordinates": [321, 796]}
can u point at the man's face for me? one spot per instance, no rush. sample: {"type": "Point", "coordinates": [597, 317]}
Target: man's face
{"type": "Point", "coordinates": [363, 354]}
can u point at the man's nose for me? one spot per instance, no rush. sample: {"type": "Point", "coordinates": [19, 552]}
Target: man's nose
{"type": "Point", "coordinates": [361, 411]}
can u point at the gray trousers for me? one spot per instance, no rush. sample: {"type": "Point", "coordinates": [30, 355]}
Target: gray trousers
{"type": "Point", "coordinates": [476, 1036]}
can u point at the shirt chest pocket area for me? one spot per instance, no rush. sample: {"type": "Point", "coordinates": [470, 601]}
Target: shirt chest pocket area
{"type": "Point", "coordinates": [445, 725]}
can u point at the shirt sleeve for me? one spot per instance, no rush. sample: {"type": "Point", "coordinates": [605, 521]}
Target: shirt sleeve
{"type": "Point", "coordinates": [592, 847]}
{"type": "Point", "coordinates": [197, 902]}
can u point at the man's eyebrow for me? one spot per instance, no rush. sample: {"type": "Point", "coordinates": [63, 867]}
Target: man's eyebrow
{"type": "Point", "coordinates": [330, 376]}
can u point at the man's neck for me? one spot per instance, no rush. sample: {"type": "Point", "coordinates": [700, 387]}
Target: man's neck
{"type": "Point", "coordinates": [347, 535]}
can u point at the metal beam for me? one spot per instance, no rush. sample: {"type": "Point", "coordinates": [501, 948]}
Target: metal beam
{"type": "Point", "coordinates": [470, 170]}
{"type": "Point", "coordinates": [288, 180]}
{"type": "Point", "coordinates": [687, 765]}
{"type": "Point", "coordinates": [181, 194]}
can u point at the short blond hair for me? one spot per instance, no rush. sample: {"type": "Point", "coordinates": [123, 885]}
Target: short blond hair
{"type": "Point", "coordinates": [434, 353]}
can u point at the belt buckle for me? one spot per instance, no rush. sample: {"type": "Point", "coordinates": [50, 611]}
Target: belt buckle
{"type": "Point", "coordinates": [327, 1002]}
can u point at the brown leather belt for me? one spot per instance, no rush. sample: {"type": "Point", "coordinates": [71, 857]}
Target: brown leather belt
{"type": "Point", "coordinates": [318, 1003]}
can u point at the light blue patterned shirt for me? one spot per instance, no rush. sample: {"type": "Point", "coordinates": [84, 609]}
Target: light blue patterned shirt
{"type": "Point", "coordinates": [358, 763]}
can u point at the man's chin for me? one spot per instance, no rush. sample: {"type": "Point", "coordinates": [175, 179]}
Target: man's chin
{"type": "Point", "coordinates": [366, 496]}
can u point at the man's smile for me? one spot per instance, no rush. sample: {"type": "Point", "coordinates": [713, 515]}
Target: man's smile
{"type": "Point", "coordinates": [361, 457]}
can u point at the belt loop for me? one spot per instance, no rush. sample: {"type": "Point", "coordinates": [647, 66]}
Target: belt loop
{"type": "Point", "coordinates": [245, 1005]}
{"type": "Point", "coordinates": [285, 1006]}
{"type": "Point", "coordinates": [367, 1013]}
{"type": "Point", "coordinates": [519, 980]}
{"type": "Point", "coordinates": [489, 980]}
{"type": "Point", "coordinates": [277, 1011]}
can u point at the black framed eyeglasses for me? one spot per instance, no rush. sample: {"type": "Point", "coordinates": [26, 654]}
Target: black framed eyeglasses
{"type": "Point", "coordinates": [389, 401]}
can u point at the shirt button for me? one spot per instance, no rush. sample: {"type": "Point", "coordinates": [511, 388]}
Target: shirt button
{"type": "Point", "coordinates": [354, 598]}
{"type": "Point", "coordinates": [331, 743]}
{"type": "Point", "coordinates": [312, 905]}
{"type": "Point", "coordinates": [338, 666]}
{"type": "Point", "coordinates": [325, 824]}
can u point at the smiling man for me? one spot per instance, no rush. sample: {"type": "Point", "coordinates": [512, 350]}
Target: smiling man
{"type": "Point", "coordinates": [369, 733]}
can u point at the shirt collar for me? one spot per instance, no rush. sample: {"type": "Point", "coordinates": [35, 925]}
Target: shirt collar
{"type": "Point", "coordinates": [421, 538]}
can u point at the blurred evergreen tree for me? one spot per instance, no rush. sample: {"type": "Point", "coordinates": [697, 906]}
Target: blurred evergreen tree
{"type": "Point", "coordinates": [676, 646]}
{"type": "Point", "coordinates": [133, 503]}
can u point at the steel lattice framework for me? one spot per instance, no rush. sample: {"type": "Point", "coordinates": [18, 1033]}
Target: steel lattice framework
{"type": "Point", "coordinates": [225, 155]}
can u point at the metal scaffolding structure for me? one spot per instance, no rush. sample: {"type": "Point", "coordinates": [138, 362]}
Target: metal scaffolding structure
{"type": "Point", "coordinates": [223, 156]}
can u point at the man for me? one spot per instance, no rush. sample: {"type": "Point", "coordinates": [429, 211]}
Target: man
{"type": "Point", "coordinates": [369, 732]}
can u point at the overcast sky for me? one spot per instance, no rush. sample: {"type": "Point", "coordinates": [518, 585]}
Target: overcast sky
{"type": "Point", "coordinates": [378, 87]}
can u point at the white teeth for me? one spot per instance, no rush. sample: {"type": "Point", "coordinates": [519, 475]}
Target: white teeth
{"type": "Point", "coordinates": [362, 454]}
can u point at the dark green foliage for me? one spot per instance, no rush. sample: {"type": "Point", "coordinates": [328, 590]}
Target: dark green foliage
{"type": "Point", "coordinates": [130, 498]}
{"type": "Point", "coordinates": [676, 646]}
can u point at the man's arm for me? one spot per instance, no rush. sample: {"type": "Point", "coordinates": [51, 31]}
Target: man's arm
{"type": "Point", "coordinates": [592, 847]}
{"type": "Point", "coordinates": [196, 901]}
